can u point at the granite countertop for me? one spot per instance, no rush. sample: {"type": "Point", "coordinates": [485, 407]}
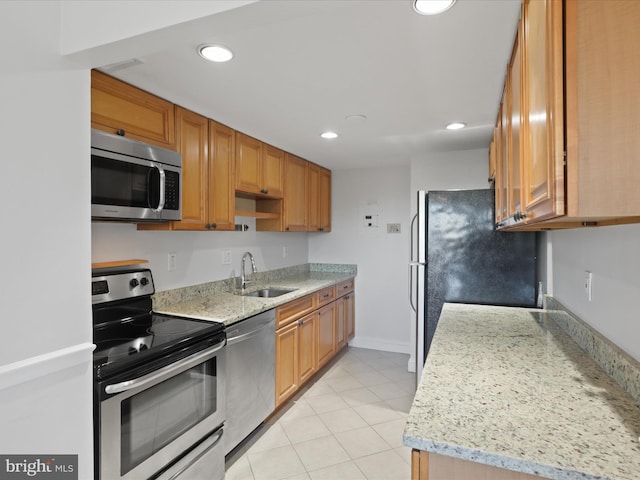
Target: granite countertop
{"type": "Point", "coordinates": [507, 387]}
{"type": "Point", "coordinates": [222, 303]}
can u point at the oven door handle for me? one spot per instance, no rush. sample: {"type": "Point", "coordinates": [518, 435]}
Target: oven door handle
{"type": "Point", "coordinates": [167, 371]}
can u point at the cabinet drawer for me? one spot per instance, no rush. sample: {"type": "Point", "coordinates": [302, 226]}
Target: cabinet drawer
{"type": "Point", "coordinates": [345, 287]}
{"type": "Point", "coordinates": [326, 295]}
{"type": "Point", "coordinates": [296, 308]}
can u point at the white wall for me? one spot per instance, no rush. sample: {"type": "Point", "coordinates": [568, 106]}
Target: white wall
{"type": "Point", "coordinates": [612, 254]}
{"type": "Point", "coordinates": [45, 331]}
{"type": "Point", "coordinates": [382, 309]}
{"type": "Point", "coordinates": [198, 254]}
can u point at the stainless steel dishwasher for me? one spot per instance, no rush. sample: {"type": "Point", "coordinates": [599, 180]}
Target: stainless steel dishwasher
{"type": "Point", "coordinates": [251, 370]}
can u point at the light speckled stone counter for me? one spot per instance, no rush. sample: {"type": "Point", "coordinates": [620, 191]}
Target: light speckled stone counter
{"type": "Point", "coordinates": [220, 302]}
{"type": "Point", "coordinates": [508, 387]}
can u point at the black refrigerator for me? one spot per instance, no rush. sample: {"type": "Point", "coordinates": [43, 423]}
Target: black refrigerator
{"type": "Point", "coordinates": [458, 256]}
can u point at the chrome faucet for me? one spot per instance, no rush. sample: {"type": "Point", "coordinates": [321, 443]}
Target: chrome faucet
{"type": "Point", "coordinates": [243, 278]}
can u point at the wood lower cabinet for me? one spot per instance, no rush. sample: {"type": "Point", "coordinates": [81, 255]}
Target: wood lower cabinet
{"type": "Point", "coordinates": [326, 333]}
{"type": "Point", "coordinates": [287, 363]}
{"type": "Point", "coordinates": [120, 108]}
{"type": "Point", "coordinates": [296, 359]}
{"type": "Point", "coordinates": [307, 358]}
{"type": "Point", "coordinates": [431, 466]}
{"type": "Point", "coordinates": [310, 331]}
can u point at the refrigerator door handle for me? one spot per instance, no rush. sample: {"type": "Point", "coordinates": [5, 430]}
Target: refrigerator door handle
{"type": "Point", "coordinates": [412, 264]}
{"type": "Point", "coordinates": [413, 307]}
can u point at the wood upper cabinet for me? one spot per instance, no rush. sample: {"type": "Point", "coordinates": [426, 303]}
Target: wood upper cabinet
{"type": "Point", "coordinates": [259, 167]}
{"type": "Point", "coordinates": [193, 144]}
{"type": "Point", "coordinates": [580, 106]}
{"type": "Point", "coordinates": [319, 199]}
{"type": "Point", "coordinates": [117, 107]}
{"type": "Point", "coordinates": [515, 121]}
{"type": "Point", "coordinates": [207, 150]}
{"type": "Point", "coordinates": [295, 194]}
{"type": "Point", "coordinates": [602, 67]}
{"type": "Point", "coordinates": [543, 111]}
{"type": "Point", "coordinates": [221, 195]}
{"type": "Point", "coordinates": [272, 170]}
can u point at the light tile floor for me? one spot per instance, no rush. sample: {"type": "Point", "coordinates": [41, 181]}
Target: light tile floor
{"type": "Point", "coordinates": [346, 424]}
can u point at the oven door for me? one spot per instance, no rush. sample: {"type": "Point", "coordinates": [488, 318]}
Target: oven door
{"type": "Point", "coordinates": [149, 422]}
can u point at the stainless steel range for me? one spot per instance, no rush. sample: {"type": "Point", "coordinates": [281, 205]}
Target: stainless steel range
{"type": "Point", "coordinates": [159, 386]}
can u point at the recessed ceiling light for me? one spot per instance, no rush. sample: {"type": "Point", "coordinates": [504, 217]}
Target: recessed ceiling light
{"type": "Point", "coordinates": [359, 118]}
{"type": "Point", "coordinates": [329, 135]}
{"type": "Point", "coordinates": [215, 53]}
{"type": "Point", "coordinates": [456, 126]}
{"type": "Point", "coordinates": [432, 7]}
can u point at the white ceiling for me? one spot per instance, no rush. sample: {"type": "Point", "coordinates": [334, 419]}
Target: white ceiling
{"type": "Point", "coordinates": [301, 67]}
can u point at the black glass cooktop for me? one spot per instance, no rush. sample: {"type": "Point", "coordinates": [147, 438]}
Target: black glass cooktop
{"type": "Point", "coordinates": [149, 335]}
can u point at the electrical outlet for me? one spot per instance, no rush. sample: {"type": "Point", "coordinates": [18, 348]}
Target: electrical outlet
{"type": "Point", "coordinates": [172, 262]}
{"type": "Point", "coordinates": [588, 285]}
{"type": "Point", "coordinates": [393, 228]}
{"type": "Point", "coordinates": [226, 257]}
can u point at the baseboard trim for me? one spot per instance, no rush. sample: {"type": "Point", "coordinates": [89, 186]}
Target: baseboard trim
{"type": "Point", "coordinates": [377, 344]}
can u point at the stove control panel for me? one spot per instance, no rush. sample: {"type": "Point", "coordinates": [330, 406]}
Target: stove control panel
{"type": "Point", "coordinates": [108, 287]}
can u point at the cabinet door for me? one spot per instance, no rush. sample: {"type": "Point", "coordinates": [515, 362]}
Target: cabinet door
{"type": "Point", "coordinates": [313, 215]}
{"type": "Point", "coordinates": [221, 175]}
{"type": "Point", "coordinates": [543, 118]}
{"type": "Point", "coordinates": [307, 358]}
{"type": "Point", "coordinates": [193, 141]}
{"type": "Point", "coordinates": [295, 194]}
{"type": "Point", "coordinates": [272, 171]}
{"type": "Point", "coordinates": [118, 106]}
{"type": "Point", "coordinates": [326, 333]}
{"type": "Point", "coordinates": [515, 156]}
{"type": "Point", "coordinates": [287, 370]}
{"type": "Point", "coordinates": [501, 170]}
{"type": "Point", "coordinates": [341, 330]}
{"type": "Point", "coordinates": [324, 200]}
{"type": "Point", "coordinates": [248, 164]}
{"type": "Point", "coordinates": [350, 316]}
{"type": "Point", "coordinates": [319, 199]}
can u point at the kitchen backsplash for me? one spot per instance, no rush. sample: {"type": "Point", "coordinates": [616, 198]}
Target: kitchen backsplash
{"type": "Point", "coordinates": [167, 297]}
{"type": "Point", "coordinates": [623, 368]}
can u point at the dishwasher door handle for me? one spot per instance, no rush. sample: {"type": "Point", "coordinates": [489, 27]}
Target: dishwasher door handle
{"type": "Point", "coordinates": [244, 336]}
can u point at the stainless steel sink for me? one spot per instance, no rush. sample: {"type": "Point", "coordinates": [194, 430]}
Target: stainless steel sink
{"type": "Point", "coordinates": [268, 292]}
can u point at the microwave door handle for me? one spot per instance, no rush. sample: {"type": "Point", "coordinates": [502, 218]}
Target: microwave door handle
{"type": "Point", "coordinates": [162, 183]}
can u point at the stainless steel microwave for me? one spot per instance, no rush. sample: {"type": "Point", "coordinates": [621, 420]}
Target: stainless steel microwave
{"type": "Point", "coordinates": [133, 181]}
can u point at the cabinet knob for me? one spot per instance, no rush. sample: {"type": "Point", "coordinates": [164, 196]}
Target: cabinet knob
{"type": "Point", "coordinates": [287, 229]}
{"type": "Point", "coordinates": [519, 216]}
{"type": "Point", "coordinates": [120, 132]}
{"type": "Point", "coordinates": [499, 224]}
{"type": "Point", "coordinates": [214, 225]}
{"type": "Point", "coordinates": [207, 226]}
